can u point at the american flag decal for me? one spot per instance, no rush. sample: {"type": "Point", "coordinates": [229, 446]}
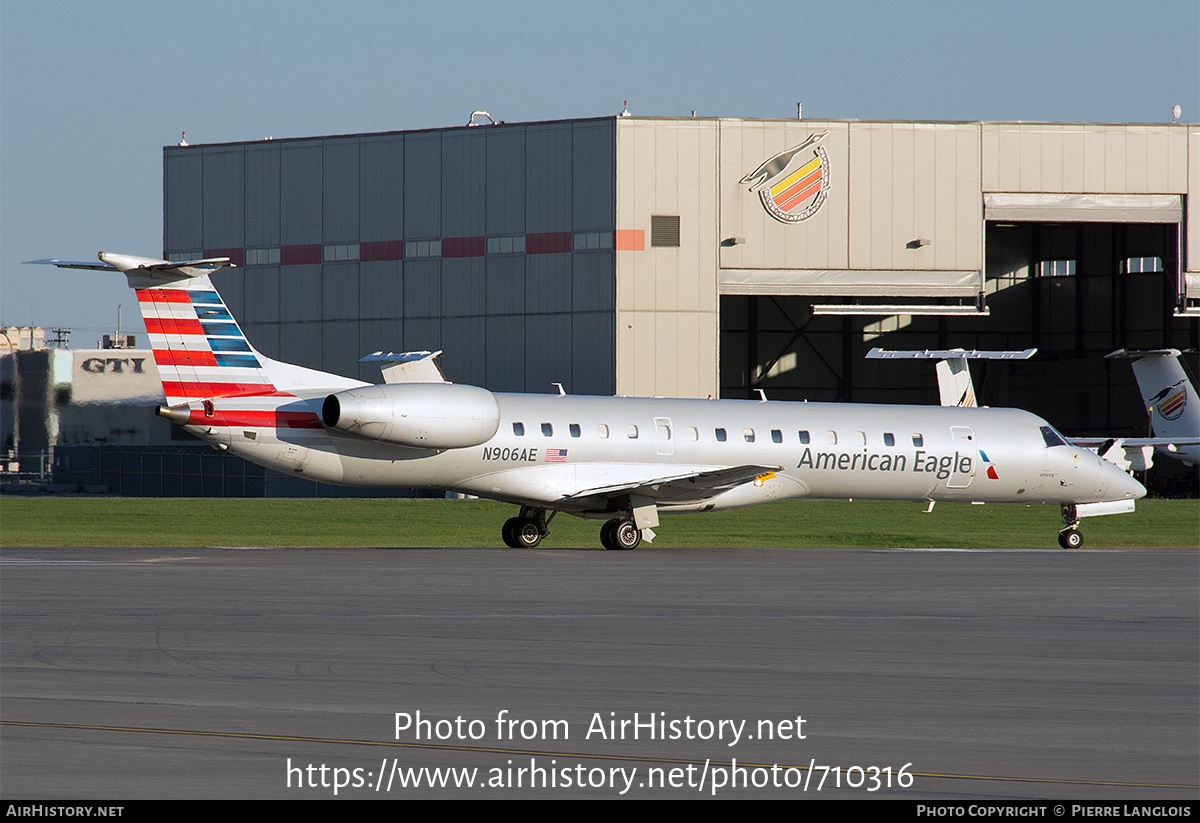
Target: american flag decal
{"type": "Point", "coordinates": [556, 456]}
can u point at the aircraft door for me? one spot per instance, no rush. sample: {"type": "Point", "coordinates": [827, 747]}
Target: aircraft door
{"type": "Point", "coordinates": [965, 449]}
{"type": "Point", "coordinates": [665, 434]}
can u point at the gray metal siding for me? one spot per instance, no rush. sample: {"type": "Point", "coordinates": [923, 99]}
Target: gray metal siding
{"type": "Point", "coordinates": [339, 284]}
{"type": "Point", "coordinates": [463, 361]}
{"type": "Point", "coordinates": [262, 293]}
{"type": "Point", "coordinates": [548, 351]}
{"type": "Point", "coordinates": [504, 345]}
{"type": "Point", "coordinates": [262, 213]}
{"type": "Point", "coordinates": [300, 293]}
{"type": "Point", "coordinates": [382, 188]}
{"type": "Point", "coordinates": [422, 186]}
{"type": "Point", "coordinates": [300, 181]}
{"type": "Point", "coordinates": [489, 182]}
{"type": "Point", "coordinates": [505, 285]}
{"type": "Point", "coordinates": [340, 182]}
{"type": "Point", "coordinates": [548, 180]}
{"type": "Point", "coordinates": [224, 198]}
{"type": "Point", "coordinates": [183, 221]}
{"type": "Point", "coordinates": [593, 154]}
{"type": "Point", "coordinates": [422, 289]}
{"type": "Point", "coordinates": [505, 191]}
{"type": "Point", "coordinates": [464, 289]}
{"type": "Point", "coordinates": [464, 182]}
{"type": "Point", "coordinates": [381, 290]}
{"type": "Point", "coordinates": [548, 283]}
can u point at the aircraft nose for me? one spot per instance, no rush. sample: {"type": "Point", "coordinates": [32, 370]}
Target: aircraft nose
{"type": "Point", "coordinates": [1123, 486]}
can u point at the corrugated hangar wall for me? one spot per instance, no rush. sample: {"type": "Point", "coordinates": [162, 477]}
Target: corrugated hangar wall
{"type": "Point", "coordinates": [475, 241]}
{"type": "Point", "coordinates": [640, 255]}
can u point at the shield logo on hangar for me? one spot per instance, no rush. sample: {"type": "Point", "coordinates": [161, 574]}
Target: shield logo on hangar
{"type": "Point", "coordinates": [794, 184]}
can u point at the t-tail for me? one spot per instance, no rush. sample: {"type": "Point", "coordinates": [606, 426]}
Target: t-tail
{"type": "Point", "coordinates": [1169, 394]}
{"type": "Point", "coordinates": [199, 348]}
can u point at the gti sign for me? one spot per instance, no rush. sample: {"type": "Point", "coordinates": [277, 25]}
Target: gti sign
{"type": "Point", "coordinates": [115, 365]}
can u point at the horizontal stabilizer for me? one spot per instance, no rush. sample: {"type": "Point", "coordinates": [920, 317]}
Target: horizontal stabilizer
{"type": "Point", "coordinates": [948, 354]}
{"type": "Point", "coordinates": [1130, 354]}
{"type": "Point", "coordinates": [146, 272]}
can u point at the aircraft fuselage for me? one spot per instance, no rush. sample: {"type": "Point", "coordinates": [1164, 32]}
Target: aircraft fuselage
{"type": "Point", "coordinates": [548, 449]}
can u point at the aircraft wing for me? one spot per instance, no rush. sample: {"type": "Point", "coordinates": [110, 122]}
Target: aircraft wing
{"type": "Point", "coordinates": [686, 487]}
{"type": "Point", "coordinates": [1133, 453]}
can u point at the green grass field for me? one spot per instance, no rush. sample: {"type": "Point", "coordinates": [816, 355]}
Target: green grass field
{"type": "Point", "coordinates": [114, 521]}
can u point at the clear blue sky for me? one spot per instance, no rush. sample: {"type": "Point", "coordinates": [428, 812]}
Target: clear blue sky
{"type": "Point", "coordinates": [91, 92]}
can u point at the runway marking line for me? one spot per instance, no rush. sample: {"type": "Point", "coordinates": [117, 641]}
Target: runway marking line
{"type": "Point", "coordinates": [581, 756]}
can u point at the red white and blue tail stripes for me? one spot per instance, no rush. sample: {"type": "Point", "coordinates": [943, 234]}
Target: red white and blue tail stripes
{"type": "Point", "coordinates": [198, 347]}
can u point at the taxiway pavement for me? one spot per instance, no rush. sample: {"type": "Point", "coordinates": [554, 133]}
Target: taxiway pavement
{"type": "Point", "coordinates": [232, 673]}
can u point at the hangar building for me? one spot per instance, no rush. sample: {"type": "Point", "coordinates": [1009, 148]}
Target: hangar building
{"type": "Point", "coordinates": [713, 256]}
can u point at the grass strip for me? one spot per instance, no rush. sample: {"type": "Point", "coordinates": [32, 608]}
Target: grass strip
{"type": "Point", "coordinates": [181, 522]}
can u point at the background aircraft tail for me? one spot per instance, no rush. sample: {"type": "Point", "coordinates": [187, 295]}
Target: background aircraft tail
{"type": "Point", "coordinates": [1168, 391]}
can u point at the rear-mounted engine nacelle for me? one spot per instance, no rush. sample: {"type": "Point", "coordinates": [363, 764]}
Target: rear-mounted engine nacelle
{"type": "Point", "coordinates": [421, 415]}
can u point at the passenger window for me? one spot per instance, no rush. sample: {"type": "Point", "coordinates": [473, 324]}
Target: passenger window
{"type": "Point", "coordinates": [664, 432]}
{"type": "Point", "coordinates": [776, 436]}
{"type": "Point", "coordinates": [601, 431]}
{"type": "Point", "coordinates": [889, 439]}
{"type": "Point", "coordinates": [519, 429]}
{"type": "Point", "coordinates": [804, 438]}
{"type": "Point", "coordinates": [575, 430]}
{"type": "Point", "coordinates": [918, 440]}
{"type": "Point", "coordinates": [720, 435]}
{"type": "Point", "coordinates": [748, 434]}
{"type": "Point", "coordinates": [860, 438]}
{"type": "Point", "coordinates": [831, 437]}
{"type": "Point", "coordinates": [547, 430]}
{"type": "Point", "coordinates": [631, 431]}
{"type": "Point", "coordinates": [693, 433]}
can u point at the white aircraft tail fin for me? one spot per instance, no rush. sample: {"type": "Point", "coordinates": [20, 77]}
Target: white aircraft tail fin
{"type": "Point", "coordinates": [954, 377]}
{"type": "Point", "coordinates": [954, 382]}
{"type": "Point", "coordinates": [1168, 392]}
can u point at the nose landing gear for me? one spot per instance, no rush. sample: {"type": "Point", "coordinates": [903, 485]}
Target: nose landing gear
{"type": "Point", "coordinates": [1069, 537]}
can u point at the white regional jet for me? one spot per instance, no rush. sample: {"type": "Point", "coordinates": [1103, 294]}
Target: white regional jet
{"type": "Point", "coordinates": [617, 459]}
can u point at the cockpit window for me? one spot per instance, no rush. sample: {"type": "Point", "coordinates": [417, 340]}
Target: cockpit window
{"type": "Point", "coordinates": [1052, 437]}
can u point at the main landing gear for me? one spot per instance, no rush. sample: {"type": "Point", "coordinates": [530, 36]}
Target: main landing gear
{"type": "Point", "coordinates": [527, 530]}
{"type": "Point", "coordinates": [620, 535]}
{"type": "Point", "coordinates": [1069, 537]}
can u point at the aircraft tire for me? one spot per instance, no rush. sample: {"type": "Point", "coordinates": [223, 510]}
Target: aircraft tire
{"type": "Point", "coordinates": [527, 533]}
{"type": "Point", "coordinates": [1070, 538]}
{"type": "Point", "coordinates": [620, 535]}
{"type": "Point", "coordinates": [606, 535]}
{"type": "Point", "coordinates": [509, 532]}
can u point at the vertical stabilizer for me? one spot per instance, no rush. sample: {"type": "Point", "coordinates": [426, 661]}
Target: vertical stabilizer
{"type": "Point", "coordinates": [1169, 394]}
{"type": "Point", "coordinates": [199, 348]}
